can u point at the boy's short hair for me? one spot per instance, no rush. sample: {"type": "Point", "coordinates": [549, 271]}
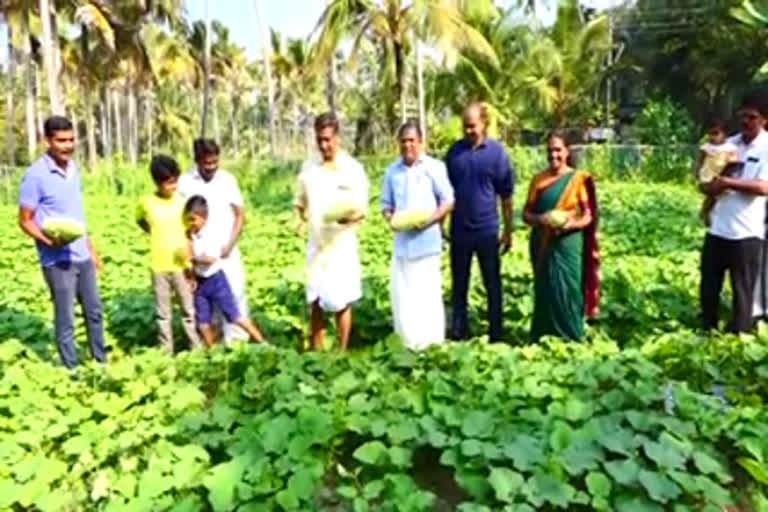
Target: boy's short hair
{"type": "Point", "coordinates": [197, 205]}
{"type": "Point", "coordinates": [56, 124]}
{"type": "Point", "coordinates": [203, 147]}
{"type": "Point", "coordinates": [163, 168]}
{"type": "Point", "coordinates": [327, 120]}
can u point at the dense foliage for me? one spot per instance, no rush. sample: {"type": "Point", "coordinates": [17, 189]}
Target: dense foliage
{"type": "Point", "coordinates": [624, 421]}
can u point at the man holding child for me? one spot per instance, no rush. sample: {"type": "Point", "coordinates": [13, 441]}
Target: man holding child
{"type": "Point", "coordinates": [225, 216]}
{"type": "Point", "coordinates": [737, 221]}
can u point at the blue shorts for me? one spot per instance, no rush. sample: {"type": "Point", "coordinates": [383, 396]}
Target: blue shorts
{"type": "Point", "coordinates": [214, 291]}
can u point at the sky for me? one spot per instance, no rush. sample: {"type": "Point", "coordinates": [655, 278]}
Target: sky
{"type": "Point", "coordinates": [292, 18]}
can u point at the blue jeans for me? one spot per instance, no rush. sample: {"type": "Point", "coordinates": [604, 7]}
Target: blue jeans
{"type": "Point", "coordinates": [487, 250]}
{"type": "Point", "coordinates": [67, 280]}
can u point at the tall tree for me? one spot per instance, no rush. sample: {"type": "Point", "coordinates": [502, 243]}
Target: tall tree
{"type": "Point", "coordinates": [10, 143]}
{"type": "Point", "coordinates": [49, 58]}
{"type": "Point", "coordinates": [265, 48]}
{"type": "Point", "coordinates": [396, 23]}
{"type": "Point", "coordinates": [206, 70]}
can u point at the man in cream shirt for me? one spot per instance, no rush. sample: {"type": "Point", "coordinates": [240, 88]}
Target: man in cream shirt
{"type": "Point", "coordinates": [333, 264]}
{"type": "Point", "coordinates": [737, 230]}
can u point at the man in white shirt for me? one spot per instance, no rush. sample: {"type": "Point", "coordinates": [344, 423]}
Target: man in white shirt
{"type": "Point", "coordinates": [737, 230]}
{"type": "Point", "coordinates": [333, 264]}
{"type": "Point", "coordinates": [225, 217]}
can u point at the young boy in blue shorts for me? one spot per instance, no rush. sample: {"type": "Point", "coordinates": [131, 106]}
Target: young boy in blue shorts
{"type": "Point", "coordinates": [212, 288]}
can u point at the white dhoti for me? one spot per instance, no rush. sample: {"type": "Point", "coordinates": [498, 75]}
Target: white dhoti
{"type": "Point", "coordinates": [334, 273]}
{"type": "Point", "coordinates": [233, 269]}
{"type": "Point", "coordinates": [417, 301]}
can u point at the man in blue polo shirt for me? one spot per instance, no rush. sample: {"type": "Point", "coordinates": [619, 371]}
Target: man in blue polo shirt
{"type": "Point", "coordinates": [50, 188]}
{"type": "Point", "coordinates": [479, 171]}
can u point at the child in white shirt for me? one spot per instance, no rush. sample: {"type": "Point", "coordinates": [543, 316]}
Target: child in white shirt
{"type": "Point", "coordinates": [212, 288]}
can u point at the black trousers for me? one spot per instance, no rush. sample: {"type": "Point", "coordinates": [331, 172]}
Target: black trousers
{"type": "Point", "coordinates": [741, 258]}
{"type": "Point", "coordinates": [487, 250]}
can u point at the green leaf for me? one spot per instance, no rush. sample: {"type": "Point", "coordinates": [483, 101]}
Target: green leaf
{"type": "Point", "coordinates": [580, 457]}
{"type": "Point", "coordinates": [403, 431]}
{"type": "Point", "coordinates": [623, 471]}
{"type": "Point", "coordinates": [525, 451]}
{"type": "Point", "coordinates": [100, 486]}
{"type": "Point", "coordinates": [709, 465]}
{"type": "Point", "coordinates": [659, 487]}
{"type": "Point", "coordinates": [373, 490]}
{"type": "Point", "coordinates": [475, 483]}
{"type": "Point", "coordinates": [478, 424]}
{"type": "Point", "coordinates": [287, 499]}
{"type": "Point", "coordinates": [221, 482]}
{"type": "Point", "coordinates": [8, 492]}
{"type": "Point", "coordinates": [665, 455]}
{"type": "Point", "coordinates": [598, 485]}
{"type": "Point", "coordinates": [578, 410]}
{"type": "Point", "coordinates": [400, 457]}
{"type": "Point", "coordinates": [561, 437]}
{"type": "Point", "coordinates": [371, 453]}
{"type": "Point", "coordinates": [545, 488]}
{"type": "Point", "coordinates": [635, 503]}
{"type": "Point", "coordinates": [506, 483]}
{"type": "Point", "coordinates": [620, 440]}
{"type": "Point", "coordinates": [471, 448]}
{"type": "Point", "coordinates": [302, 484]}
{"type": "Point", "coordinates": [345, 383]}
{"type": "Point", "coordinates": [754, 468]}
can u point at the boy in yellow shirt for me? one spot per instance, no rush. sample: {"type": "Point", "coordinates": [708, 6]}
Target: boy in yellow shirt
{"type": "Point", "coordinates": [161, 216]}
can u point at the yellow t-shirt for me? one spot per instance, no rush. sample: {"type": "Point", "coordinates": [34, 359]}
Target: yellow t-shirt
{"type": "Point", "coordinates": [167, 236]}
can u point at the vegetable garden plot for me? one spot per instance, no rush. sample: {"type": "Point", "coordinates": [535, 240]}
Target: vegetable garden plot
{"type": "Point", "coordinates": [465, 426]}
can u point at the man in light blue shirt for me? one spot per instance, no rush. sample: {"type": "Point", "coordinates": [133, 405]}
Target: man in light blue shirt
{"type": "Point", "coordinates": [50, 188]}
{"type": "Point", "coordinates": [415, 182]}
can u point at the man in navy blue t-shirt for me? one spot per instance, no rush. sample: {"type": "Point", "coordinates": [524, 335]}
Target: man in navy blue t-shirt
{"type": "Point", "coordinates": [479, 170]}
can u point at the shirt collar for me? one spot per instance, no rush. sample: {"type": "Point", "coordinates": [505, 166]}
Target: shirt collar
{"type": "Point", "coordinates": [760, 140]}
{"type": "Point", "coordinates": [481, 145]}
{"type": "Point", "coordinates": [198, 176]}
{"type": "Point", "coordinates": [54, 167]}
{"type": "Point", "coordinates": [419, 160]}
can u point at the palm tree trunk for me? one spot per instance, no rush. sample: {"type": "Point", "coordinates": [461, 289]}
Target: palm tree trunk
{"type": "Point", "coordinates": [265, 47]}
{"type": "Point", "coordinates": [330, 79]}
{"type": "Point", "coordinates": [420, 81]}
{"type": "Point", "coordinates": [215, 110]}
{"type": "Point", "coordinates": [132, 128]}
{"type": "Point", "coordinates": [117, 122]}
{"type": "Point", "coordinates": [29, 86]}
{"type": "Point", "coordinates": [207, 71]}
{"type": "Point", "coordinates": [38, 102]}
{"type": "Point", "coordinates": [233, 125]}
{"type": "Point", "coordinates": [106, 139]}
{"type": "Point", "coordinates": [75, 122]}
{"type": "Point", "coordinates": [150, 125]}
{"type": "Point", "coordinates": [90, 127]}
{"type": "Point", "coordinates": [56, 106]}
{"type": "Point", "coordinates": [10, 144]}
{"type": "Point", "coordinates": [400, 79]}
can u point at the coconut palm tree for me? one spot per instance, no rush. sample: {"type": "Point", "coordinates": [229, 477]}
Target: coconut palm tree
{"type": "Point", "coordinates": [49, 57]}
{"type": "Point", "coordinates": [265, 47]}
{"type": "Point", "coordinates": [396, 24]}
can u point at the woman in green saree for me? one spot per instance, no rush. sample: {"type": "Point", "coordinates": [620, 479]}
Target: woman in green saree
{"type": "Point", "coordinates": [563, 245]}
